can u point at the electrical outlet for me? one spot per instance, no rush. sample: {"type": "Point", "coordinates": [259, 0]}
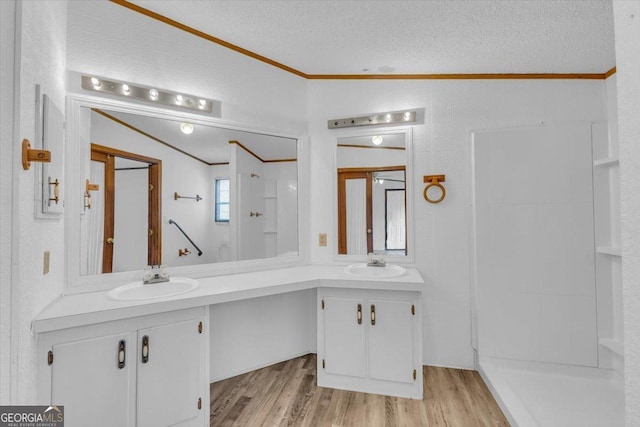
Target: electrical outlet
{"type": "Point", "coordinates": [47, 257]}
{"type": "Point", "coordinates": [322, 239]}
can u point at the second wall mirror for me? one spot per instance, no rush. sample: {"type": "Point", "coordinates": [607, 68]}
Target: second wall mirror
{"type": "Point", "coordinates": [373, 193]}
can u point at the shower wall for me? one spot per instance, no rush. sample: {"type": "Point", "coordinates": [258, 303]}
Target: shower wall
{"type": "Point", "coordinates": [535, 280]}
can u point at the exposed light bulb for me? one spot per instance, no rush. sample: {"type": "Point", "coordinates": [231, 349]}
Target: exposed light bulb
{"type": "Point", "coordinates": [96, 83]}
{"type": "Point", "coordinates": [380, 181]}
{"type": "Point", "coordinates": [126, 89]}
{"type": "Point", "coordinates": [387, 118]}
{"type": "Point", "coordinates": [376, 140]}
{"type": "Point", "coordinates": [179, 99]}
{"type": "Point", "coordinates": [186, 128]}
{"type": "Point", "coordinates": [202, 103]}
{"type": "Point", "coordinates": [153, 94]}
{"type": "Point", "coordinates": [407, 115]}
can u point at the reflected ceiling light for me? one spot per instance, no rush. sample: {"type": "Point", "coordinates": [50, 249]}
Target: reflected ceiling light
{"type": "Point", "coordinates": [376, 140]}
{"type": "Point", "coordinates": [388, 118]}
{"type": "Point", "coordinates": [144, 93]}
{"type": "Point", "coordinates": [186, 128]}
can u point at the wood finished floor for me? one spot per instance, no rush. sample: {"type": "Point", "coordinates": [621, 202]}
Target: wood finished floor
{"type": "Point", "coordinates": [286, 395]}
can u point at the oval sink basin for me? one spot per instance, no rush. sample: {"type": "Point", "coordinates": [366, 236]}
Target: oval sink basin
{"type": "Point", "coordinates": [363, 270]}
{"type": "Point", "coordinates": [136, 291]}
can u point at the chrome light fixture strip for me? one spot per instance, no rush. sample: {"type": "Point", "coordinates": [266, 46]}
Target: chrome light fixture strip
{"type": "Point", "coordinates": [390, 118]}
{"type": "Point", "coordinates": [148, 94]}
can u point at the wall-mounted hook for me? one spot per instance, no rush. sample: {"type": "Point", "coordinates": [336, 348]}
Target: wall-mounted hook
{"type": "Point", "coordinates": [434, 181]}
{"type": "Point", "coordinates": [184, 252]}
{"type": "Point", "coordinates": [256, 214]}
{"type": "Point", "coordinates": [29, 155]}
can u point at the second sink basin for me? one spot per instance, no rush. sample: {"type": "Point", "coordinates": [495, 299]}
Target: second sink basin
{"type": "Point", "coordinates": [137, 291]}
{"type": "Point", "coordinates": [363, 270]}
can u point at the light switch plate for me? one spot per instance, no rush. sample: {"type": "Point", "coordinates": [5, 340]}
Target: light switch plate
{"type": "Point", "coordinates": [322, 239]}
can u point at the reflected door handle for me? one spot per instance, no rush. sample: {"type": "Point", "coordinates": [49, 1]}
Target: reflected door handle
{"type": "Point", "coordinates": [110, 240]}
{"type": "Point", "coordinates": [368, 231]}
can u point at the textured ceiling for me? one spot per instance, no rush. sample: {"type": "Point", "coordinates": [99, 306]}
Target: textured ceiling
{"type": "Point", "coordinates": [410, 37]}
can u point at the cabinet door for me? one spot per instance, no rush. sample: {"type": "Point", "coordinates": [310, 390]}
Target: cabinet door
{"type": "Point", "coordinates": [93, 387]}
{"type": "Point", "coordinates": [169, 375]}
{"type": "Point", "coordinates": [391, 340]}
{"type": "Point", "coordinates": [344, 337]}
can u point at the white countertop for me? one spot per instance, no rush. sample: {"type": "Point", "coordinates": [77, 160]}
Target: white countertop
{"type": "Point", "coordinates": [95, 307]}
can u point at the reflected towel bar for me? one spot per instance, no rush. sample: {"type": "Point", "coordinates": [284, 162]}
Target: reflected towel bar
{"type": "Point", "coordinates": [176, 196]}
{"type": "Point", "coordinates": [185, 235]}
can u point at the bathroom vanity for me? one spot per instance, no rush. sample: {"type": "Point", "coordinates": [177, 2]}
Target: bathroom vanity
{"type": "Point", "coordinates": [146, 362]}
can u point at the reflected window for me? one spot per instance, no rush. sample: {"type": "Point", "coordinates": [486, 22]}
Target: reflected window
{"type": "Point", "coordinates": [222, 200]}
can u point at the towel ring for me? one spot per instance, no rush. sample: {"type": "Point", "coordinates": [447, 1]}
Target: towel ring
{"type": "Point", "coordinates": [434, 181]}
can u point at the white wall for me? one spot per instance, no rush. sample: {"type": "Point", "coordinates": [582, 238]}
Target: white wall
{"type": "Point", "coordinates": [349, 157]}
{"type": "Point", "coordinates": [251, 334]}
{"type": "Point", "coordinates": [627, 31]}
{"type": "Point", "coordinates": [41, 38]}
{"type": "Point", "coordinates": [441, 146]}
{"type": "Point", "coordinates": [7, 29]}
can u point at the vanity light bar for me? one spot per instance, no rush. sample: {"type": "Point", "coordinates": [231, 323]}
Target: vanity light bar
{"type": "Point", "coordinates": [149, 94]}
{"type": "Point", "coordinates": [391, 118]}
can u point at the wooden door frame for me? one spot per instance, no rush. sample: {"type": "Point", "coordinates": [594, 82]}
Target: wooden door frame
{"type": "Point", "coordinates": [358, 173]}
{"type": "Point", "coordinates": [107, 155]}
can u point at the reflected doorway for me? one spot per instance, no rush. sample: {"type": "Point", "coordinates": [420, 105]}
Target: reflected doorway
{"type": "Point", "coordinates": [371, 210]}
{"type": "Point", "coordinates": [127, 211]}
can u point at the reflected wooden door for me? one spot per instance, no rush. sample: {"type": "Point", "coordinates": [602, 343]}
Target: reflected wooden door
{"type": "Point", "coordinates": [109, 207]}
{"type": "Point", "coordinates": [107, 156]}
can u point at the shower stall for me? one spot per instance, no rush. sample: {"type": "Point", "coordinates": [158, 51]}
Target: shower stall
{"type": "Point", "coordinates": [547, 290]}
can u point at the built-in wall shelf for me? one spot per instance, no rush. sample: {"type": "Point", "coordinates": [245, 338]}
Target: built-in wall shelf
{"type": "Point", "coordinates": [607, 161]}
{"type": "Point", "coordinates": [614, 345]}
{"type": "Point", "coordinates": [608, 250]}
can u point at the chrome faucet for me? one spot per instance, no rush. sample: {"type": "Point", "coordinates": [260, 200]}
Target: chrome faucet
{"type": "Point", "coordinates": [155, 274]}
{"type": "Point", "coordinates": [376, 262]}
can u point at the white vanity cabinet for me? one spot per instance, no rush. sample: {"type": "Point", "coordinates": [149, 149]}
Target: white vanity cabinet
{"type": "Point", "coordinates": [142, 371]}
{"type": "Point", "coordinates": [370, 341]}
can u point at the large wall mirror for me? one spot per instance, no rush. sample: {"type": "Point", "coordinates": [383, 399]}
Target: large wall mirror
{"type": "Point", "coordinates": [178, 190]}
{"type": "Point", "coordinates": [373, 194]}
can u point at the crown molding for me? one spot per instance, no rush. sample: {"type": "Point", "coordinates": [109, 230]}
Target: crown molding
{"type": "Point", "coordinates": [258, 57]}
